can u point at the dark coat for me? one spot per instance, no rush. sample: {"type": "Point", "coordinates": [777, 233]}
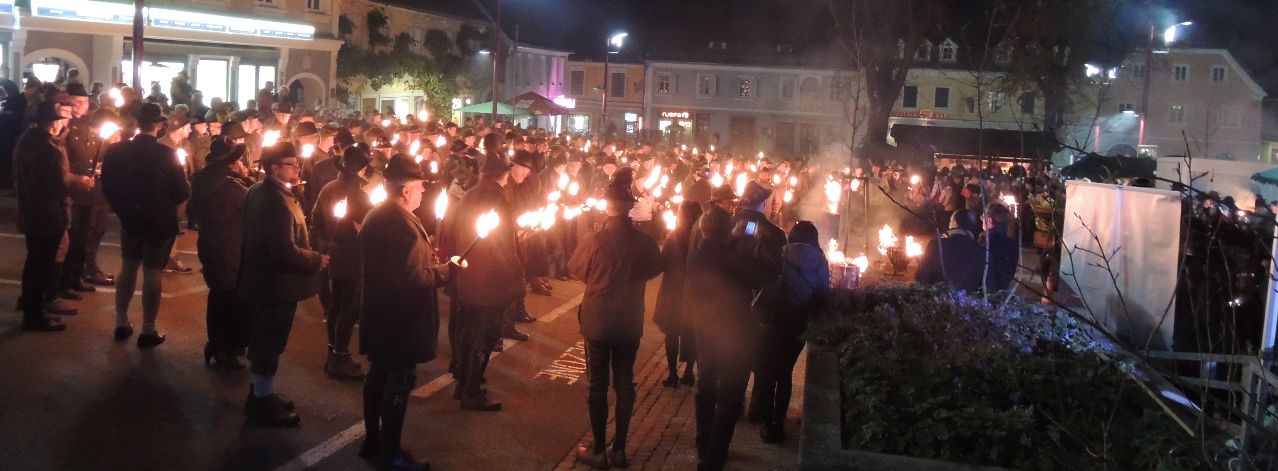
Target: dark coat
{"type": "Point", "coordinates": [1005, 255]}
{"type": "Point", "coordinates": [318, 172]}
{"type": "Point", "coordinates": [493, 277]}
{"type": "Point", "coordinates": [964, 262]}
{"type": "Point", "coordinates": [806, 279]}
{"type": "Point", "coordinates": [43, 183]}
{"type": "Point", "coordinates": [83, 148]}
{"type": "Point", "coordinates": [277, 265]}
{"type": "Point", "coordinates": [217, 201]}
{"type": "Point", "coordinates": [339, 238]}
{"type": "Point", "coordinates": [674, 263]}
{"type": "Point", "coordinates": [399, 305]}
{"type": "Point", "coordinates": [144, 184]}
{"type": "Point", "coordinates": [698, 191]}
{"type": "Point", "coordinates": [718, 296]}
{"type": "Point", "coordinates": [763, 248]}
{"type": "Point", "coordinates": [615, 264]}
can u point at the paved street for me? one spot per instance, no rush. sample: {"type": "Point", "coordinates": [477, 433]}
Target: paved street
{"type": "Point", "coordinates": [79, 400]}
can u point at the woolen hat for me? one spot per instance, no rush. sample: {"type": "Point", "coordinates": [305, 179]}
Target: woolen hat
{"type": "Point", "coordinates": [233, 130]}
{"type": "Point", "coordinates": [223, 149]}
{"type": "Point", "coordinates": [278, 152]}
{"type": "Point", "coordinates": [403, 168]}
{"type": "Point", "coordinates": [150, 113]}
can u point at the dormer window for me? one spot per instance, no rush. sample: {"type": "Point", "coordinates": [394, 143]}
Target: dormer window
{"type": "Point", "coordinates": [924, 52]}
{"type": "Point", "coordinates": [1003, 54]}
{"type": "Point", "coordinates": [949, 51]}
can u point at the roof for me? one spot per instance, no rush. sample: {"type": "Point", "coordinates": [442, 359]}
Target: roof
{"type": "Point", "coordinates": [463, 9]}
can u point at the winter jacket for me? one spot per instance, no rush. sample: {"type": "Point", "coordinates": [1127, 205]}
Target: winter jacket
{"type": "Point", "coordinates": [277, 264]}
{"type": "Point", "coordinates": [217, 201]}
{"type": "Point", "coordinates": [615, 264]}
{"type": "Point", "coordinates": [717, 296]}
{"type": "Point", "coordinates": [493, 277]}
{"type": "Point", "coordinates": [144, 184]}
{"type": "Point", "coordinates": [339, 238]}
{"type": "Point", "coordinates": [43, 183]}
{"type": "Point", "coordinates": [670, 311]}
{"type": "Point", "coordinates": [399, 302]}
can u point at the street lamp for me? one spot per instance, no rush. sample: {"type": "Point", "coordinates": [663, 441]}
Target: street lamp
{"type": "Point", "coordinates": [1169, 36]}
{"type": "Point", "coordinates": [613, 42]}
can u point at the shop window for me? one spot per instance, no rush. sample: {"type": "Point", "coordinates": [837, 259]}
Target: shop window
{"type": "Point", "coordinates": [213, 78]}
{"type": "Point", "coordinates": [577, 82]}
{"type": "Point", "coordinates": [910, 96]}
{"type": "Point", "coordinates": [153, 72]}
{"type": "Point", "coordinates": [251, 79]}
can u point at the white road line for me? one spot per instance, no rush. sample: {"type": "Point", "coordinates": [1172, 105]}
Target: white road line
{"type": "Point", "coordinates": [104, 289]}
{"type": "Point", "coordinates": [108, 244]}
{"type": "Point", "coordinates": [344, 438]}
{"type": "Point", "coordinates": [559, 311]}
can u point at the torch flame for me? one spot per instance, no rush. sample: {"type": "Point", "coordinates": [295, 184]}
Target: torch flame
{"type": "Point", "coordinates": [270, 138]}
{"type": "Point", "coordinates": [669, 217]}
{"type": "Point", "coordinates": [887, 239]}
{"type": "Point", "coordinates": [563, 181]}
{"type": "Point", "coordinates": [912, 248]}
{"type": "Point", "coordinates": [862, 262]}
{"type": "Point", "coordinates": [441, 204]}
{"type": "Point", "coordinates": [833, 254]}
{"type": "Point", "coordinates": [181, 155]}
{"type": "Point", "coordinates": [794, 181]}
{"type": "Point", "coordinates": [742, 180]}
{"type": "Point", "coordinates": [855, 185]}
{"type": "Point", "coordinates": [308, 150]}
{"type": "Point", "coordinates": [914, 180]}
{"type": "Point", "coordinates": [789, 196]}
{"type": "Point", "coordinates": [574, 188]}
{"type": "Point", "coordinates": [386, 123]}
{"type": "Point", "coordinates": [547, 215]}
{"type": "Point", "coordinates": [653, 178]}
{"type": "Point", "coordinates": [716, 180]}
{"type": "Point", "coordinates": [486, 223]}
{"type": "Point", "coordinates": [423, 115]}
{"type": "Point", "coordinates": [108, 128]}
{"type": "Point", "coordinates": [553, 196]}
{"type": "Point", "coordinates": [415, 147]}
{"type": "Point", "coordinates": [378, 195]}
{"type": "Point", "coordinates": [776, 180]}
{"type": "Point", "coordinates": [339, 209]}
{"type": "Point", "coordinates": [833, 191]}
{"type": "Point", "coordinates": [434, 167]}
{"type": "Point", "coordinates": [441, 141]}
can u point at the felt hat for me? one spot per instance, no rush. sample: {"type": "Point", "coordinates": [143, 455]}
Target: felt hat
{"type": "Point", "coordinates": [755, 193]}
{"type": "Point", "coordinates": [523, 158]}
{"type": "Point", "coordinates": [353, 159]}
{"type": "Point", "coordinates": [495, 163]}
{"type": "Point", "coordinates": [278, 152]}
{"type": "Point", "coordinates": [48, 112]}
{"type": "Point", "coordinates": [722, 193]}
{"type": "Point", "coordinates": [403, 168]}
{"type": "Point", "coordinates": [150, 113]}
{"type": "Point", "coordinates": [223, 149]}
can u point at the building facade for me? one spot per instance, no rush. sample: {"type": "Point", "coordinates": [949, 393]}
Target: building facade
{"type": "Point", "coordinates": [626, 92]}
{"type": "Point", "coordinates": [229, 49]}
{"type": "Point", "coordinates": [783, 111]}
{"type": "Point", "coordinates": [530, 68]}
{"type": "Point", "coordinates": [1203, 93]}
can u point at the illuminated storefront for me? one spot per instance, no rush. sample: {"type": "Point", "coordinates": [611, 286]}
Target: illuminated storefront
{"type": "Point", "coordinates": [228, 54]}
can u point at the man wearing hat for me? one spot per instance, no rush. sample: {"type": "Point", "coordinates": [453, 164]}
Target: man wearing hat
{"type": "Point", "coordinates": [490, 285]}
{"type": "Point", "coordinates": [615, 263]}
{"type": "Point", "coordinates": [336, 235]}
{"type": "Point", "coordinates": [176, 138]}
{"type": "Point", "coordinates": [83, 146]}
{"type": "Point", "coordinates": [526, 194]}
{"type": "Point", "coordinates": [399, 314]}
{"type": "Point", "coordinates": [93, 273]}
{"type": "Point", "coordinates": [43, 184]}
{"type": "Point", "coordinates": [217, 201]}
{"type": "Point", "coordinates": [277, 270]}
{"type": "Point", "coordinates": [758, 243]}
{"type": "Point", "coordinates": [144, 183]}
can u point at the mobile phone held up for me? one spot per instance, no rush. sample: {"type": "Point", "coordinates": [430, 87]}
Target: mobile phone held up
{"type": "Point", "coordinates": [751, 227]}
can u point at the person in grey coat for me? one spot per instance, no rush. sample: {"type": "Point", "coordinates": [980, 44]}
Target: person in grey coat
{"type": "Point", "coordinates": [217, 201]}
{"type": "Point", "coordinates": [278, 269]}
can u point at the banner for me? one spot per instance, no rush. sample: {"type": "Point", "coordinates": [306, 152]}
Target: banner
{"type": "Point", "coordinates": [1138, 229]}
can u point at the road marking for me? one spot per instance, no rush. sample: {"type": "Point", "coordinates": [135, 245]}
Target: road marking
{"type": "Point", "coordinates": [108, 244]}
{"type": "Point", "coordinates": [570, 366]}
{"type": "Point", "coordinates": [559, 311]}
{"type": "Point", "coordinates": [104, 289]}
{"type": "Point", "coordinates": [344, 438]}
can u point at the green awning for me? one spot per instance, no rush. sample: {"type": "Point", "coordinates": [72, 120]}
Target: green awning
{"type": "Point", "coordinates": [487, 107]}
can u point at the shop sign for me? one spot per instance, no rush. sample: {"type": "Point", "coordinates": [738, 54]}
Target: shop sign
{"type": "Point", "coordinates": [118, 13]}
{"type": "Point", "coordinates": [924, 114]}
{"type": "Point", "coordinates": [676, 115]}
{"type": "Point", "coordinates": [565, 102]}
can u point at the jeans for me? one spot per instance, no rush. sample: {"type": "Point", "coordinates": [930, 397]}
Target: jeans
{"type": "Point", "coordinates": [386, 390]}
{"type": "Point", "coordinates": [775, 379]}
{"type": "Point", "coordinates": [271, 326]}
{"type": "Point", "coordinates": [342, 312]}
{"type": "Point", "coordinates": [602, 356]}
{"type": "Point", "coordinates": [720, 400]}
{"type": "Point", "coordinates": [229, 321]}
{"type": "Point", "coordinates": [38, 278]}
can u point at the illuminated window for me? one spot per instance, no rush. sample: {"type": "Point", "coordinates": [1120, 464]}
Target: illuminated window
{"type": "Point", "coordinates": [995, 100]}
{"type": "Point", "coordinates": [213, 78]}
{"type": "Point", "coordinates": [745, 87]}
{"type": "Point", "coordinates": [707, 85]}
{"type": "Point", "coordinates": [664, 84]}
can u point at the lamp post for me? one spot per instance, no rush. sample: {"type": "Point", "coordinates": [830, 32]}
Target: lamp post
{"type": "Point", "coordinates": [496, 59]}
{"type": "Point", "coordinates": [615, 40]}
{"type": "Point", "coordinates": [1169, 36]}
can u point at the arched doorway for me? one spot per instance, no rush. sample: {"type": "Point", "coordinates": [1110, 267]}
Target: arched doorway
{"type": "Point", "coordinates": [62, 59]}
{"type": "Point", "coordinates": [307, 90]}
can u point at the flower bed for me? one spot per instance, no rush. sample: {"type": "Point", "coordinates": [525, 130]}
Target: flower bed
{"type": "Point", "coordinates": [951, 378]}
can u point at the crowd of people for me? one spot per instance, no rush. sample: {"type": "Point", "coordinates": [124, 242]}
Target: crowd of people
{"type": "Point", "coordinates": [376, 214]}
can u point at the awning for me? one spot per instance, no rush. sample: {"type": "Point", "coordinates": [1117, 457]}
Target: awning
{"type": "Point", "coordinates": [975, 142]}
{"type": "Point", "coordinates": [1099, 168]}
{"type": "Point", "coordinates": [534, 103]}
{"type": "Point", "coordinates": [1268, 177]}
{"type": "Point", "coordinates": [487, 108]}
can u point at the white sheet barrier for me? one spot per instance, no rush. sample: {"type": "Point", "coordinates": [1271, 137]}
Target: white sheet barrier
{"type": "Point", "coordinates": [1139, 230]}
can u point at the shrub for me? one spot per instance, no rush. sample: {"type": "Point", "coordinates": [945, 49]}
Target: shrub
{"type": "Point", "coordinates": [950, 377]}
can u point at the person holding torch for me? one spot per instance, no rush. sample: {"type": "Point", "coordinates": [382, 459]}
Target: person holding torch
{"type": "Point", "coordinates": [492, 282]}
{"type": "Point", "coordinates": [335, 223]}
{"type": "Point", "coordinates": [399, 310]}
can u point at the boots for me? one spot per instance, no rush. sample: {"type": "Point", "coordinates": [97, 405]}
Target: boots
{"type": "Point", "coordinates": [342, 366]}
{"type": "Point", "coordinates": [267, 412]}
